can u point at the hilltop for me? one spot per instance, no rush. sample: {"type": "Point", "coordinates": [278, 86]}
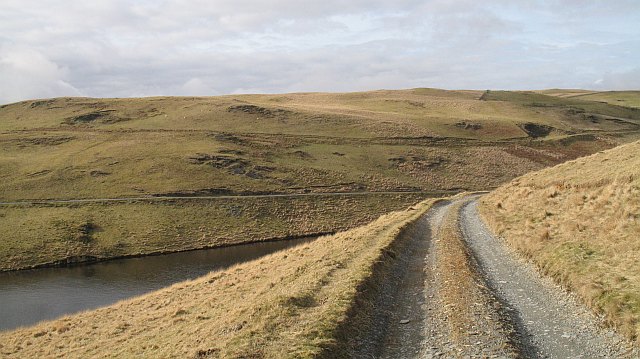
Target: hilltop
{"type": "Point", "coordinates": [419, 139]}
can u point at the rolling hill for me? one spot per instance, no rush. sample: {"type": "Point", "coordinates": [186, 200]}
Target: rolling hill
{"type": "Point", "coordinates": [196, 172]}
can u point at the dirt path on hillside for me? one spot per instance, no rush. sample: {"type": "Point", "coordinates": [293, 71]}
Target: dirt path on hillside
{"type": "Point", "coordinates": [458, 292]}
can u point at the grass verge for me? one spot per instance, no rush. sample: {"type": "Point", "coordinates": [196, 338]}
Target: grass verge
{"type": "Point", "coordinates": [286, 305]}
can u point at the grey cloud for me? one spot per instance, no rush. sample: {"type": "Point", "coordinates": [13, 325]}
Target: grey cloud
{"type": "Point", "coordinates": [621, 80]}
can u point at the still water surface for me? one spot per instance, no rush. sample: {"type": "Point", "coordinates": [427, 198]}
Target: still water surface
{"type": "Point", "coordinates": [28, 297]}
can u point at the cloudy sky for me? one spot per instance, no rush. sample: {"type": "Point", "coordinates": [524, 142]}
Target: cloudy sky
{"type": "Point", "coordinates": [123, 48]}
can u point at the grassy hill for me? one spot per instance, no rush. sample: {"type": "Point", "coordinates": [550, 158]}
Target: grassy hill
{"type": "Point", "coordinates": [620, 98]}
{"type": "Point", "coordinates": [87, 148]}
{"type": "Point", "coordinates": [580, 223]}
{"type": "Point", "coordinates": [421, 140]}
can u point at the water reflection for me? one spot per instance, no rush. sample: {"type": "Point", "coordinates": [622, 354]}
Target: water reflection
{"type": "Point", "coordinates": [28, 297]}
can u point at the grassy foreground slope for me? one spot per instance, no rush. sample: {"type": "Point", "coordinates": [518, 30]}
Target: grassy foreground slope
{"type": "Point", "coordinates": [580, 223]}
{"type": "Point", "coordinates": [290, 304]}
{"type": "Point", "coordinates": [422, 140]}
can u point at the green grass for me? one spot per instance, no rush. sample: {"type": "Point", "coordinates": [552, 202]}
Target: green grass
{"type": "Point", "coordinates": [37, 235]}
{"type": "Point", "coordinates": [619, 98]}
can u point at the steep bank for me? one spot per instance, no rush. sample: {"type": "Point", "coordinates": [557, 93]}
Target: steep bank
{"type": "Point", "coordinates": [580, 223]}
{"type": "Point", "coordinates": [547, 322]}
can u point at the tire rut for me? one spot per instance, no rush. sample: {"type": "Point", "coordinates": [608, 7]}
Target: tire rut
{"type": "Point", "coordinates": [426, 316]}
{"type": "Point", "coordinates": [467, 319]}
{"type": "Point", "coordinates": [406, 333]}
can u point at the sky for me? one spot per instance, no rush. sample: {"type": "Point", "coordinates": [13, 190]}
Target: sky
{"type": "Point", "coordinates": [133, 48]}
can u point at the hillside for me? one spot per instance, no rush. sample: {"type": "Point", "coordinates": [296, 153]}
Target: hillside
{"type": "Point", "coordinates": [195, 172]}
{"type": "Point", "coordinates": [291, 304]}
{"type": "Point", "coordinates": [580, 223]}
{"type": "Point", "coordinates": [423, 139]}
{"type": "Point", "coordinates": [620, 98]}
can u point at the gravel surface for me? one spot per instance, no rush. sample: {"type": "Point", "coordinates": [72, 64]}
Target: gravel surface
{"type": "Point", "coordinates": [406, 335]}
{"type": "Point", "coordinates": [419, 324]}
{"type": "Point", "coordinates": [514, 307]}
{"type": "Point", "coordinates": [549, 321]}
{"type": "Point", "coordinates": [478, 325]}
{"type": "Point", "coordinates": [391, 318]}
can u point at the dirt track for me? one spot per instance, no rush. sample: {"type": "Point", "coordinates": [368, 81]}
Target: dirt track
{"type": "Point", "coordinates": [461, 293]}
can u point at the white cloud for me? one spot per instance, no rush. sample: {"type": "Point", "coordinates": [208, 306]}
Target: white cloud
{"type": "Point", "coordinates": [123, 48]}
{"type": "Point", "coordinates": [621, 80]}
{"type": "Point", "coordinates": [198, 87]}
{"type": "Point", "coordinates": [27, 74]}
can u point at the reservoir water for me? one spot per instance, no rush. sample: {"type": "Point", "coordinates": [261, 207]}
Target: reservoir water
{"type": "Point", "coordinates": [28, 297]}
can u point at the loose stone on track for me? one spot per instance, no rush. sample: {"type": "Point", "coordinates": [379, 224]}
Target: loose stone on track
{"type": "Point", "coordinates": [505, 308]}
{"type": "Point", "coordinates": [550, 322]}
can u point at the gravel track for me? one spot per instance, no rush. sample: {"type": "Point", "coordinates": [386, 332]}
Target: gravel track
{"type": "Point", "coordinates": [550, 322]}
{"type": "Point", "coordinates": [515, 307]}
{"type": "Point", "coordinates": [415, 298]}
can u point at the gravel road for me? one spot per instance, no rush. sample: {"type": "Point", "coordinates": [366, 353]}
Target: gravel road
{"type": "Point", "coordinates": [549, 321]}
{"type": "Point", "coordinates": [414, 315]}
{"type": "Point", "coordinates": [412, 331]}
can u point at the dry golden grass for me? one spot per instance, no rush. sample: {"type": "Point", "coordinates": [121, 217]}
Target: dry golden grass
{"type": "Point", "coordinates": [286, 305]}
{"type": "Point", "coordinates": [580, 223]}
{"type": "Point", "coordinates": [415, 113]}
{"type": "Point", "coordinates": [83, 148]}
